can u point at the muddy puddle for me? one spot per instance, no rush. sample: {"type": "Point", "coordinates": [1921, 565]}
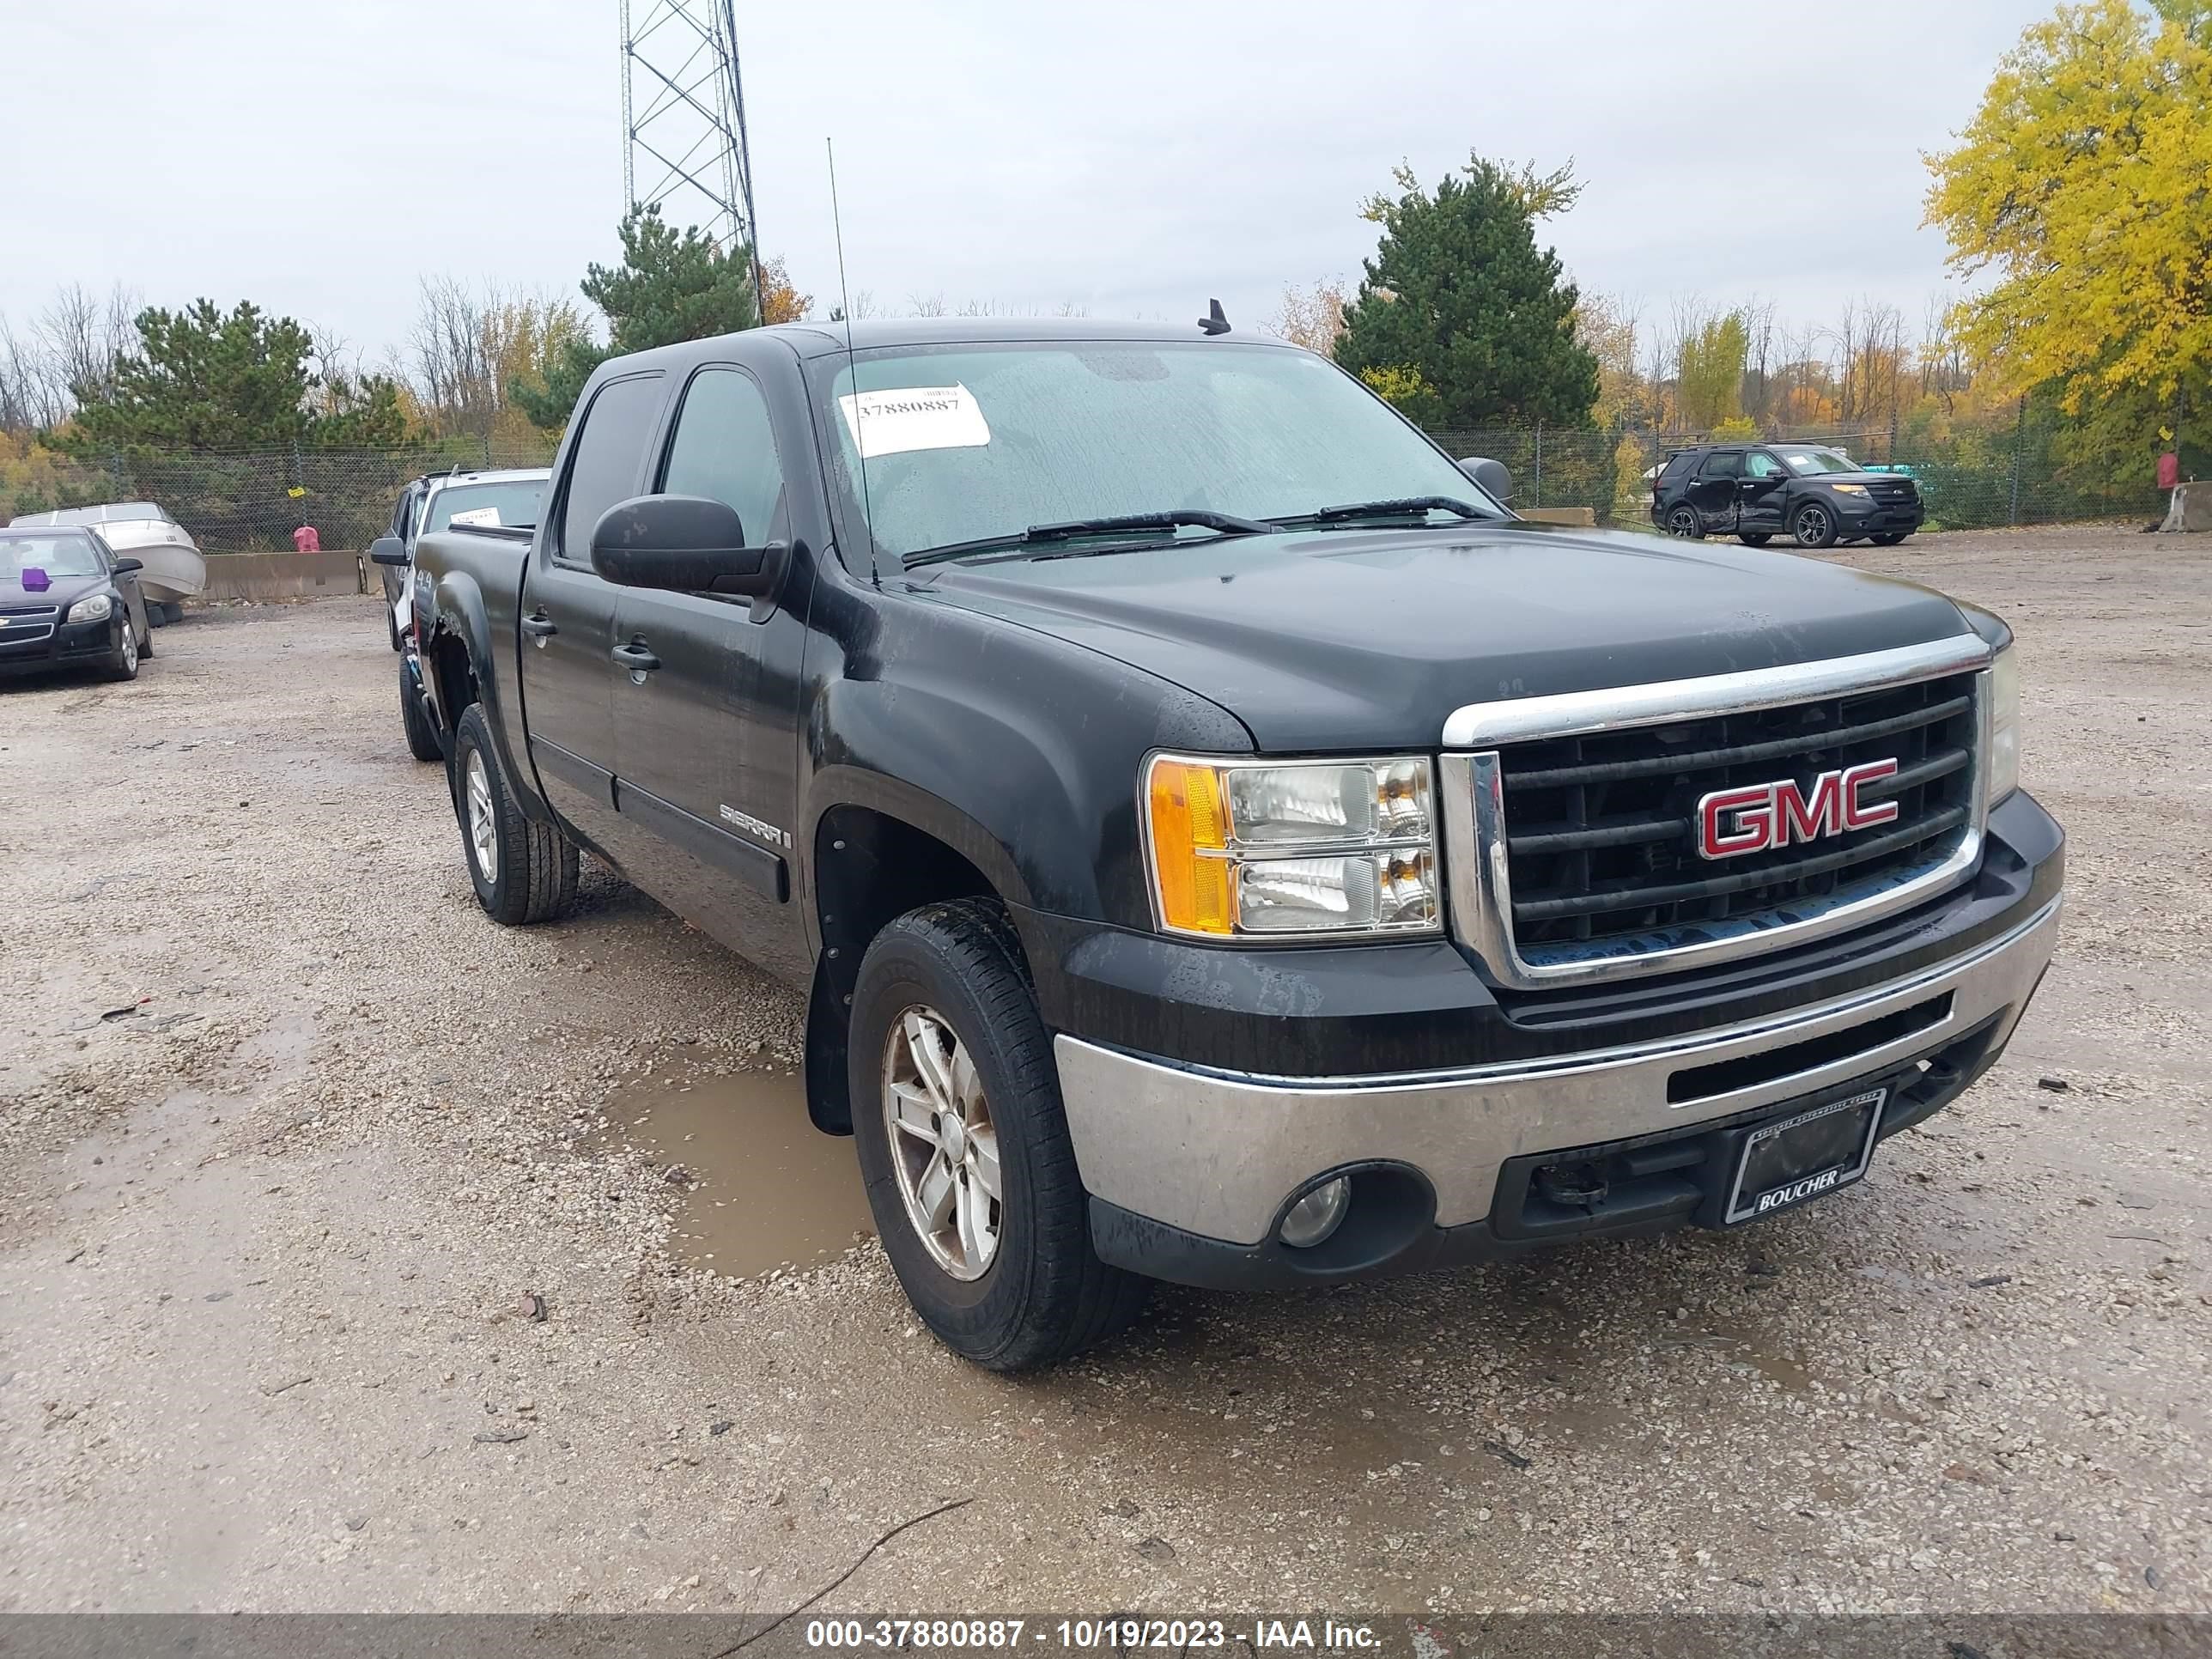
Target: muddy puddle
{"type": "Point", "coordinates": [761, 1186]}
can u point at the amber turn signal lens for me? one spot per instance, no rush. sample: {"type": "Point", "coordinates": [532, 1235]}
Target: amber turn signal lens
{"type": "Point", "coordinates": [1189, 823]}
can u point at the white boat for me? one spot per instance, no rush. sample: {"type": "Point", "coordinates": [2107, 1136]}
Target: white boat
{"type": "Point", "coordinates": [139, 530]}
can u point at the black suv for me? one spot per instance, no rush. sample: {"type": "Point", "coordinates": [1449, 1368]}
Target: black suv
{"type": "Point", "coordinates": [1814, 495]}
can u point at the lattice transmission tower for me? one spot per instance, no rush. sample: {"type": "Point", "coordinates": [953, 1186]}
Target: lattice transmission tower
{"type": "Point", "coordinates": [684, 118]}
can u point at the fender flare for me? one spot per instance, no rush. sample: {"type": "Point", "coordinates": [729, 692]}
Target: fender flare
{"type": "Point", "coordinates": [459, 613]}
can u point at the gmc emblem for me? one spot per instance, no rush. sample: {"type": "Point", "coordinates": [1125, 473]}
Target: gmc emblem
{"type": "Point", "coordinates": [1755, 818]}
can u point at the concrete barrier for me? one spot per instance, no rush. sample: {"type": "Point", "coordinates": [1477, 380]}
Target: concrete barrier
{"type": "Point", "coordinates": [2190, 509]}
{"type": "Point", "coordinates": [1585, 516]}
{"type": "Point", "coordinates": [269, 576]}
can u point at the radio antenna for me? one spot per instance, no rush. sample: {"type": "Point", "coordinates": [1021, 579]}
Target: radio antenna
{"type": "Point", "coordinates": [852, 363]}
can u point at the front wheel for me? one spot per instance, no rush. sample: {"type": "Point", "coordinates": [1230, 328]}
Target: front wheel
{"type": "Point", "coordinates": [964, 1148]}
{"type": "Point", "coordinates": [1890, 537]}
{"type": "Point", "coordinates": [1814, 526]}
{"type": "Point", "coordinates": [123, 664]}
{"type": "Point", "coordinates": [522, 871]}
{"type": "Point", "coordinates": [1682, 520]}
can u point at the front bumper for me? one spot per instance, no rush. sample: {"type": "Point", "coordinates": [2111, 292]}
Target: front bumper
{"type": "Point", "coordinates": [1882, 518]}
{"type": "Point", "coordinates": [1191, 1166]}
{"type": "Point", "coordinates": [65, 646]}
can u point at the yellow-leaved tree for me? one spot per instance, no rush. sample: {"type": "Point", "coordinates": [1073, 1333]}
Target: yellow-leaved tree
{"type": "Point", "coordinates": [2083, 189]}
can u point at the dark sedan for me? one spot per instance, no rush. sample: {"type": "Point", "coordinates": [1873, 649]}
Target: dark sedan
{"type": "Point", "coordinates": [66, 601]}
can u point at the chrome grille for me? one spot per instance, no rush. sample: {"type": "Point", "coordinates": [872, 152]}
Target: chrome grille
{"type": "Point", "coordinates": [1577, 857]}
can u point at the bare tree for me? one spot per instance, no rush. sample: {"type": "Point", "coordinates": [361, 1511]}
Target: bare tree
{"type": "Point", "coordinates": [84, 334]}
{"type": "Point", "coordinates": [453, 374]}
{"type": "Point", "coordinates": [1312, 317]}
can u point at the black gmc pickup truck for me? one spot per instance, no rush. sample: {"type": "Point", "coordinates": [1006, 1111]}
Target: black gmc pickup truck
{"type": "Point", "coordinates": [1217, 841]}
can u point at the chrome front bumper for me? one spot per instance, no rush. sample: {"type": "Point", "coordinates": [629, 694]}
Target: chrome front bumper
{"type": "Point", "coordinates": [1219, 1154]}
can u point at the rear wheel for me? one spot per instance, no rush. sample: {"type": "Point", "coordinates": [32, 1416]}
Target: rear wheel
{"type": "Point", "coordinates": [1682, 520]}
{"type": "Point", "coordinates": [1814, 526]}
{"type": "Point", "coordinates": [422, 735]}
{"type": "Point", "coordinates": [1890, 537]}
{"type": "Point", "coordinates": [522, 871]}
{"type": "Point", "coordinates": [965, 1146]}
{"type": "Point", "coordinates": [1754, 538]}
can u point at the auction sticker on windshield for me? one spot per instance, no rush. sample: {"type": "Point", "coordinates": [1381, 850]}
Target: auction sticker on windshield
{"type": "Point", "coordinates": [903, 418]}
{"type": "Point", "coordinates": [477, 515]}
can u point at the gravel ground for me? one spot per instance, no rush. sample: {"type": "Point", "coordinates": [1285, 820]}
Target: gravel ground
{"type": "Point", "coordinates": [289, 1135]}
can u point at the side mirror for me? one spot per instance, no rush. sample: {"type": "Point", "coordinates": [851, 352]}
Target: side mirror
{"type": "Point", "coordinates": [686, 543]}
{"type": "Point", "coordinates": [1495, 480]}
{"type": "Point", "coordinates": [125, 567]}
{"type": "Point", "coordinates": [387, 549]}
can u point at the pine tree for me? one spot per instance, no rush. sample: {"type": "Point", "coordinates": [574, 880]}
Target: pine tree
{"type": "Point", "coordinates": [205, 378]}
{"type": "Point", "coordinates": [670, 286]}
{"type": "Point", "coordinates": [1458, 294]}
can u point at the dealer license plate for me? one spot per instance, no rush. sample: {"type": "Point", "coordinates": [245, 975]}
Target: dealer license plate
{"type": "Point", "coordinates": [1804, 1156]}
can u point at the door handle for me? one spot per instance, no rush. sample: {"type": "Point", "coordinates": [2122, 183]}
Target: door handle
{"type": "Point", "coordinates": [636, 657]}
{"type": "Point", "coordinates": [540, 625]}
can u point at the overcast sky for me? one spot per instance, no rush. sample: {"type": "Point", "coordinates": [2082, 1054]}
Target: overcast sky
{"type": "Point", "coordinates": [1134, 158]}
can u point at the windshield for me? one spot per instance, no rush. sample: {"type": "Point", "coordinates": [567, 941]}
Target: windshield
{"type": "Point", "coordinates": [514, 502]}
{"type": "Point", "coordinates": [973, 441]}
{"type": "Point", "coordinates": [58, 555]}
{"type": "Point", "coordinates": [1811, 463]}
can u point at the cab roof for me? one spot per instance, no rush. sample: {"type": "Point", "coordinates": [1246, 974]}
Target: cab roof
{"type": "Point", "coordinates": [822, 339]}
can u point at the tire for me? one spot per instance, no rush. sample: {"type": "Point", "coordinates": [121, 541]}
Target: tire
{"type": "Point", "coordinates": [523, 871]}
{"type": "Point", "coordinates": [1022, 1288]}
{"type": "Point", "coordinates": [1814, 525]}
{"type": "Point", "coordinates": [422, 736]}
{"type": "Point", "coordinates": [125, 664]}
{"type": "Point", "coordinates": [392, 628]}
{"type": "Point", "coordinates": [1754, 538]}
{"type": "Point", "coordinates": [1890, 537]}
{"type": "Point", "coordinates": [146, 641]}
{"type": "Point", "coordinates": [1682, 520]}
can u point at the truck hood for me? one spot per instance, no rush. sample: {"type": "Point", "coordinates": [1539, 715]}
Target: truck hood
{"type": "Point", "coordinates": [1350, 639]}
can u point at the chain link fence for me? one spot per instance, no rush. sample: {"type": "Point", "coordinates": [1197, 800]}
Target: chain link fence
{"type": "Point", "coordinates": [252, 502]}
{"type": "Point", "coordinates": [1988, 480]}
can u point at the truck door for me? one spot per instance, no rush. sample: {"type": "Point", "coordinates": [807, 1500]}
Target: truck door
{"type": "Point", "coordinates": [1760, 496]}
{"type": "Point", "coordinates": [705, 739]}
{"type": "Point", "coordinates": [568, 611]}
{"type": "Point", "coordinates": [1714, 493]}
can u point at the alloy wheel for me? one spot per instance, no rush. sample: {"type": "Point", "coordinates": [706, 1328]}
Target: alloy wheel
{"type": "Point", "coordinates": [484, 823]}
{"type": "Point", "coordinates": [130, 647]}
{"type": "Point", "coordinates": [1682, 521]}
{"type": "Point", "coordinates": [1812, 526]}
{"type": "Point", "coordinates": [944, 1145]}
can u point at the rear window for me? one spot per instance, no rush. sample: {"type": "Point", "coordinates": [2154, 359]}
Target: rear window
{"type": "Point", "coordinates": [511, 503]}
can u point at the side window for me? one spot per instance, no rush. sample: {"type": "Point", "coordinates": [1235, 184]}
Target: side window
{"type": "Point", "coordinates": [603, 463]}
{"type": "Point", "coordinates": [1723, 464]}
{"type": "Point", "coordinates": [1760, 464]}
{"type": "Point", "coordinates": [725, 449]}
{"type": "Point", "coordinates": [1677, 466]}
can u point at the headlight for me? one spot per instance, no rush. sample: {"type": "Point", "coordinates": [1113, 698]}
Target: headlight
{"type": "Point", "coordinates": [99, 608]}
{"type": "Point", "coordinates": [1849, 489]}
{"type": "Point", "coordinates": [2003, 693]}
{"type": "Point", "coordinates": [1291, 847]}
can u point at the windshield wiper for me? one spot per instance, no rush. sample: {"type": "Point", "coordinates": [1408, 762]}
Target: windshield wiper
{"type": "Point", "coordinates": [1043, 535]}
{"type": "Point", "coordinates": [1402, 507]}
